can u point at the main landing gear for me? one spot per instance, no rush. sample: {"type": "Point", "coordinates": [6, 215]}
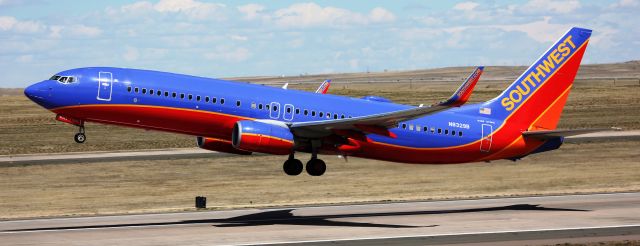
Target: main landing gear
{"type": "Point", "coordinates": [80, 137]}
{"type": "Point", "coordinates": [314, 167]}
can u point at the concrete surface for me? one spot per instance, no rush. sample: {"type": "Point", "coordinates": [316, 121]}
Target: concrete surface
{"type": "Point", "coordinates": [499, 221]}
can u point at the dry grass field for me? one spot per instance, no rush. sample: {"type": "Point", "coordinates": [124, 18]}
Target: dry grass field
{"type": "Point", "coordinates": [241, 181]}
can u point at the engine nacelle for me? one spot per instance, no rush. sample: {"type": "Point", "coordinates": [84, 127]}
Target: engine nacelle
{"type": "Point", "coordinates": [262, 137]}
{"type": "Point", "coordinates": [219, 145]}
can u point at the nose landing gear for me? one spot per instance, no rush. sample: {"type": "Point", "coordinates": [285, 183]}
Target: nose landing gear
{"type": "Point", "coordinates": [80, 137]}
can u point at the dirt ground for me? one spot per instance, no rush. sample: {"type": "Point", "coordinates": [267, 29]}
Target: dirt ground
{"type": "Point", "coordinates": [249, 181]}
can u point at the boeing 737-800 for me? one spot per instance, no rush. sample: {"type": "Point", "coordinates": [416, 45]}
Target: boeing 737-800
{"type": "Point", "coordinates": [242, 118]}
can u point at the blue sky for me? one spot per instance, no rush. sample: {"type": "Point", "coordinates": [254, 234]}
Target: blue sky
{"type": "Point", "coordinates": [245, 38]}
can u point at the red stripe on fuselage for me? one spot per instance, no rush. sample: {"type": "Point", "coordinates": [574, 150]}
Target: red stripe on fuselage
{"type": "Point", "coordinates": [177, 120]}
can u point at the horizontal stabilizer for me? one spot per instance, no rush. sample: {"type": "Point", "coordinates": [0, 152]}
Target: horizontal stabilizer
{"type": "Point", "coordinates": [549, 134]}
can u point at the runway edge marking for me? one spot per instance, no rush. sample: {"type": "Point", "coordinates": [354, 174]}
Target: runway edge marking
{"type": "Point", "coordinates": [443, 235]}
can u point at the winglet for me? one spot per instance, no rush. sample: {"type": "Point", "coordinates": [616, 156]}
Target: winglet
{"type": "Point", "coordinates": [463, 93]}
{"type": "Point", "coordinates": [324, 87]}
{"type": "Point", "coordinates": [285, 86]}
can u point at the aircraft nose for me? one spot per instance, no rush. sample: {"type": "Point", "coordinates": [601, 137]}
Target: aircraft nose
{"type": "Point", "coordinates": [30, 90]}
{"type": "Point", "coordinates": [37, 92]}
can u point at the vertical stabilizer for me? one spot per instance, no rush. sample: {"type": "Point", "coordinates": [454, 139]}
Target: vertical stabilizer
{"type": "Point", "coordinates": [535, 99]}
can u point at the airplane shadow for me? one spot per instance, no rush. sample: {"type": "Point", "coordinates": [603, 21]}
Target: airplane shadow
{"type": "Point", "coordinates": [286, 217]}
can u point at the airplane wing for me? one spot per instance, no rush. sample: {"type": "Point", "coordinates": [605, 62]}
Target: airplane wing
{"type": "Point", "coordinates": [324, 87]}
{"type": "Point", "coordinates": [549, 134]}
{"type": "Point", "coordinates": [379, 123]}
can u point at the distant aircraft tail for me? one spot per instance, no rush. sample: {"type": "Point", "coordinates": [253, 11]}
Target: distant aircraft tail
{"type": "Point", "coordinates": [535, 99]}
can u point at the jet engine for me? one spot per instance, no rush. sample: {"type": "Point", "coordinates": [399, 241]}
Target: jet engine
{"type": "Point", "coordinates": [263, 137]}
{"type": "Point", "coordinates": [219, 145]}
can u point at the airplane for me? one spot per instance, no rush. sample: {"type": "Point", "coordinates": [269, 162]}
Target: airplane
{"type": "Point", "coordinates": [322, 89]}
{"type": "Point", "coordinates": [242, 118]}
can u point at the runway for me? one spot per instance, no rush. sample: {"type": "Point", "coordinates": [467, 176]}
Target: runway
{"type": "Point", "coordinates": [192, 153]}
{"type": "Point", "coordinates": [530, 220]}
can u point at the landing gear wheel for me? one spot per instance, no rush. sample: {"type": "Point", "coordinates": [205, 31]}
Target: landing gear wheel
{"type": "Point", "coordinates": [292, 167]}
{"type": "Point", "coordinates": [316, 167]}
{"type": "Point", "coordinates": [80, 137]}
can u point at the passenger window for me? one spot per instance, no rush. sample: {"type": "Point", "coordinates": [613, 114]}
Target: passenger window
{"type": "Point", "coordinates": [306, 112]}
{"type": "Point", "coordinates": [136, 90]}
{"type": "Point", "coordinates": [214, 100]}
{"type": "Point", "coordinates": [297, 111]}
{"type": "Point", "coordinates": [460, 134]}
{"type": "Point", "coordinates": [128, 88]}
{"type": "Point", "coordinates": [418, 127]}
{"type": "Point", "coordinates": [150, 91]}
{"type": "Point", "coordinates": [190, 96]}
{"type": "Point", "coordinates": [267, 107]}
{"type": "Point", "coordinates": [159, 93]}
{"type": "Point", "coordinates": [238, 103]}
{"type": "Point", "coordinates": [404, 126]}
{"type": "Point", "coordinates": [446, 131]}
{"type": "Point", "coordinates": [411, 127]}
{"type": "Point", "coordinates": [166, 94]}
{"type": "Point", "coordinates": [275, 108]}
{"type": "Point", "coordinates": [342, 116]}
{"type": "Point", "coordinates": [288, 110]}
{"type": "Point", "coordinates": [198, 98]}
{"type": "Point", "coordinates": [453, 133]}
{"type": "Point", "coordinates": [253, 105]}
{"type": "Point", "coordinates": [181, 95]}
{"type": "Point", "coordinates": [206, 99]}
{"type": "Point", "coordinates": [433, 130]}
{"type": "Point", "coordinates": [173, 94]}
{"type": "Point", "coordinates": [313, 113]}
{"type": "Point", "coordinates": [439, 130]}
{"type": "Point", "coordinates": [144, 91]}
{"type": "Point", "coordinates": [260, 106]}
{"type": "Point", "coordinates": [335, 116]}
{"type": "Point", "coordinates": [221, 100]}
{"type": "Point", "coordinates": [425, 129]}
{"type": "Point", "coordinates": [321, 114]}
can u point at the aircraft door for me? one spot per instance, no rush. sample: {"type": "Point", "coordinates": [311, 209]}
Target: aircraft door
{"type": "Point", "coordinates": [288, 112]}
{"type": "Point", "coordinates": [485, 142]}
{"type": "Point", "coordinates": [274, 111]}
{"type": "Point", "coordinates": [105, 86]}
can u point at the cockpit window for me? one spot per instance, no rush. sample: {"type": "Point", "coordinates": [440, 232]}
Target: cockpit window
{"type": "Point", "coordinates": [63, 79]}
